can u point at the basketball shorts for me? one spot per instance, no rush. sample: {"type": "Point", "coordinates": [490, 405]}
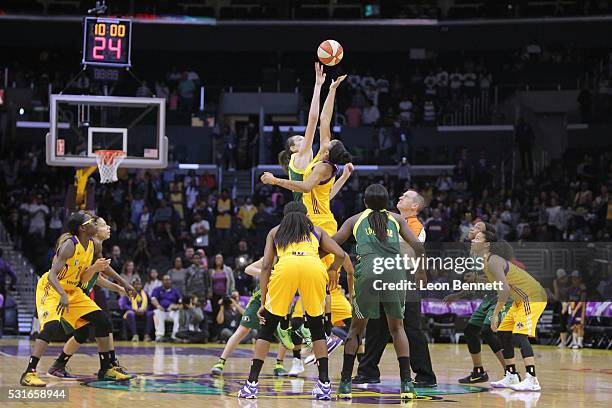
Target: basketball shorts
{"type": "Point", "coordinates": [47, 300]}
{"type": "Point", "coordinates": [328, 224]}
{"type": "Point", "coordinates": [340, 308]}
{"type": "Point", "coordinates": [250, 320]}
{"type": "Point", "coordinates": [522, 317]}
{"type": "Point", "coordinates": [482, 315]}
{"type": "Point", "coordinates": [292, 273]}
{"type": "Point", "coordinates": [79, 305]}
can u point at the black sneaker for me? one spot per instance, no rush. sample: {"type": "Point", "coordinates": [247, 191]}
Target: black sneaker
{"type": "Point", "coordinates": [424, 384]}
{"type": "Point", "coordinates": [475, 377]}
{"type": "Point", "coordinates": [362, 379]}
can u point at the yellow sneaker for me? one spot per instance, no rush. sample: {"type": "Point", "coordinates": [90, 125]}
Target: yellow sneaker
{"type": "Point", "coordinates": [31, 379]}
{"type": "Point", "coordinates": [113, 374]}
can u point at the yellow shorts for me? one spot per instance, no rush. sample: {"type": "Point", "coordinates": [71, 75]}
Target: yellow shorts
{"type": "Point", "coordinates": [522, 318]}
{"type": "Point", "coordinates": [79, 305]}
{"type": "Point", "coordinates": [47, 300]}
{"type": "Point", "coordinates": [340, 307]}
{"type": "Point", "coordinates": [305, 274]}
{"type": "Point", "coordinates": [326, 222]}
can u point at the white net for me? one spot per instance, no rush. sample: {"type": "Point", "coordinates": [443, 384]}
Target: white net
{"type": "Point", "coordinates": [108, 163]}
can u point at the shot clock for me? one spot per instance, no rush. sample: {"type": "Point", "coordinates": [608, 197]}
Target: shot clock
{"type": "Point", "coordinates": [107, 42]}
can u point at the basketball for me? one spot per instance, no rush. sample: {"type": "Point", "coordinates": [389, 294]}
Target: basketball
{"type": "Point", "coordinates": [330, 52]}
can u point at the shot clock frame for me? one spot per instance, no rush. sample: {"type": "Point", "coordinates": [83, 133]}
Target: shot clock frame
{"type": "Point", "coordinates": [107, 42]}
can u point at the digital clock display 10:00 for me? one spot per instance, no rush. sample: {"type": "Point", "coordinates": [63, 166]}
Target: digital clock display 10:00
{"type": "Point", "coordinates": [107, 42]}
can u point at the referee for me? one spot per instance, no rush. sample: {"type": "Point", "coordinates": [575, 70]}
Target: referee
{"type": "Point", "coordinates": [377, 332]}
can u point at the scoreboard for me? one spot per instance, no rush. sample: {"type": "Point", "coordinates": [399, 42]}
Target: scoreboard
{"type": "Point", "coordinates": [107, 42]}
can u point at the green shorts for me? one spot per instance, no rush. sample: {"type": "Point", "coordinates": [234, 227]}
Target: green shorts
{"type": "Point", "coordinates": [250, 320]}
{"type": "Point", "coordinates": [369, 294]}
{"type": "Point", "coordinates": [482, 315]}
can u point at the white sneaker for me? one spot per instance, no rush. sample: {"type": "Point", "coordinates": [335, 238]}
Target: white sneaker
{"type": "Point", "coordinates": [561, 345]}
{"type": "Point", "coordinates": [507, 382]}
{"type": "Point", "coordinates": [530, 383]}
{"type": "Point", "coordinates": [575, 347]}
{"type": "Point", "coordinates": [297, 368]}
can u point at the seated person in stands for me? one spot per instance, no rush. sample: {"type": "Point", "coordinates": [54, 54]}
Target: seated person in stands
{"type": "Point", "coordinates": [137, 309]}
{"type": "Point", "coordinates": [229, 316]}
{"type": "Point", "coordinates": [192, 323]}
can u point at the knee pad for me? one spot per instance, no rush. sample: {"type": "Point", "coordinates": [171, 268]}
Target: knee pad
{"type": "Point", "coordinates": [317, 329]}
{"type": "Point", "coordinates": [100, 322]}
{"type": "Point", "coordinates": [523, 342]}
{"type": "Point", "coordinates": [507, 344]}
{"type": "Point", "coordinates": [267, 330]}
{"type": "Point", "coordinates": [81, 334]}
{"type": "Point", "coordinates": [50, 331]}
{"type": "Point", "coordinates": [491, 339]}
{"type": "Point", "coordinates": [472, 338]}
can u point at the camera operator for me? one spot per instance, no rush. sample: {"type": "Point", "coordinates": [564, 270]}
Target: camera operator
{"type": "Point", "coordinates": [192, 324]}
{"type": "Point", "coordinates": [229, 316]}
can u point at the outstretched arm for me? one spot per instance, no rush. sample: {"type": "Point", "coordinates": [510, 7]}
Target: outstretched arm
{"type": "Point", "coordinates": [320, 173]}
{"type": "Point", "coordinates": [327, 114]}
{"type": "Point", "coordinates": [304, 155]}
{"type": "Point", "coordinates": [341, 181]}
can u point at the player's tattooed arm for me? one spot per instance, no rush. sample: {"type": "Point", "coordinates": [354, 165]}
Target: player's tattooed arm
{"type": "Point", "coordinates": [341, 181]}
{"type": "Point", "coordinates": [320, 172]}
{"type": "Point", "coordinates": [59, 261]}
{"type": "Point", "coordinates": [496, 267]}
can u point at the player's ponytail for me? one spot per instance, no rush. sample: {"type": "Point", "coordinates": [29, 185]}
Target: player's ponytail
{"type": "Point", "coordinates": [295, 226]}
{"type": "Point", "coordinates": [376, 198]}
{"type": "Point", "coordinates": [284, 157]}
{"type": "Point", "coordinates": [338, 153]}
{"type": "Point", "coordinates": [503, 249]}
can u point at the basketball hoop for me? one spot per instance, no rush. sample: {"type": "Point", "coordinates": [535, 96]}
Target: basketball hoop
{"type": "Point", "coordinates": [108, 163]}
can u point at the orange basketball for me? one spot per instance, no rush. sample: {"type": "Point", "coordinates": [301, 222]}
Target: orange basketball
{"type": "Point", "coordinates": [330, 52]}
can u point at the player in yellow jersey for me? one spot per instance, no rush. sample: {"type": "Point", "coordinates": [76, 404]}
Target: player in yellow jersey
{"type": "Point", "coordinates": [317, 187]}
{"type": "Point", "coordinates": [295, 242]}
{"type": "Point", "coordinates": [73, 308]}
{"type": "Point", "coordinates": [521, 320]}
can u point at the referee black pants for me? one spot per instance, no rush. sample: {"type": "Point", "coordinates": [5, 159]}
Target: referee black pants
{"type": "Point", "coordinates": [377, 338]}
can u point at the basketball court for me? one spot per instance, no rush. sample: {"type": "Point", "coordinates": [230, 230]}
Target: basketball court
{"type": "Point", "coordinates": [568, 377]}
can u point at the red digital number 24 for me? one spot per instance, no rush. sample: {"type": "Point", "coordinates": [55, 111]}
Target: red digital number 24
{"type": "Point", "coordinates": [100, 46]}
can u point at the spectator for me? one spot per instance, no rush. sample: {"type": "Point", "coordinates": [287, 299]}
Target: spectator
{"type": "Point", "coordinates": [230, 142]}
{"type": "Point", "coordinates": [370, 115]}
{"type": "Point", "coordinates": [137, 309]}
{"type": "Point", "coordinates": [353, 116]}
{"type": "Point", "coordinates": [186, 92]}
{"type": "Point", "coordinates": [178, 275]}
{"type": "Point", "coordinates": [5, 269]}
{"type": "Point", "coordinates": [430, 84]}
{"type": "Point", "coordinates": [196, 279]}
{"type": "Point", "coordinates": [56, 223]}
{"type": "Point", "coordinates": [200, 231]}
{"type": "Point", "coordinates": [223, 222]}
{"type": "Point", "coordinates": [561, 297]}
{"type": "Point", "coordinates": [524, 138]}
{"type": "Point", "coordinates": [166, 300]}
{"type": "Point", "coordinates": [162, 90]}
{"type": "Point", "coordinates": [142, 255]}
{"type": "Point", "coordinates": [128, 237]}
{"type": "Point", "coordinates": [188, 256]}
{"type": "Point", "coordinates": [177, 199]}
{"type": "Point", "coordinates": [403, 173]}
{"type": "Point", "coordinates": [605, 285]}
{"type": "Point", "coordinates": [405, 108]}
{"type": "Point", "coordinates": [163, 214]}
{"type": "Point", "coordinates": [38, 213]}
{"type": "Point", "coordinates": [354, 80]}
{"type": "Point", "coordinates": [221, 281]}
{"type": "Point", "coordinates": [117, 259]}
{"type": "Point", "coordinates": [246, 213]}
{"type": "Point", "coordinates": [143, 90]}
{"type": "Point", "coordinates": [128, 271]}
{"type": "Point", "coordinates": [228, 317]}
{"type": "Point", "coordinates": [153, 282]}
{"type": "Point", "coordinates": [144, 220]}
{"type": "Point", "coordinates": [191, 319]}
{"type": "Point", "coordinates": [434, 227]}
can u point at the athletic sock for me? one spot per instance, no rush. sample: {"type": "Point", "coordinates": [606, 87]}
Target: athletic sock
{"type": "Point", "coordinates": [328, 324]}
{"type": "Point", "coordinates": [221, 360]}
{"type": "Point", "coordinates": [62, 360]}
{"type": "Point", "coordinates": [531, 370]}
{"type": "Point", "coordinates": [279, 361]}
{"type": "Point", "coordinates": [256, 365]}
{"type": "Point", "coordinates": [347, 367]}
{"type": "Point", "coordinates": [284, 323]}
{"type": "Point", "coordinates": [404, 366]}
{"type": "Point", "coordinates": [359, 357]}
{"type": "Point", "coordinates": [479, 370]}
{"type": "Point", "coordinates": [297, 354]}
{"type": "Point", "coordinates": [112, 356]}
{"type": "Point", "coordinates": [511, 368]}
{"type": "Point", "coordinates": [323, 363]}
{"type": "Point", "coordinates": [105, 360]}
{"type": "Point", "coordinates": [32, 364]}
